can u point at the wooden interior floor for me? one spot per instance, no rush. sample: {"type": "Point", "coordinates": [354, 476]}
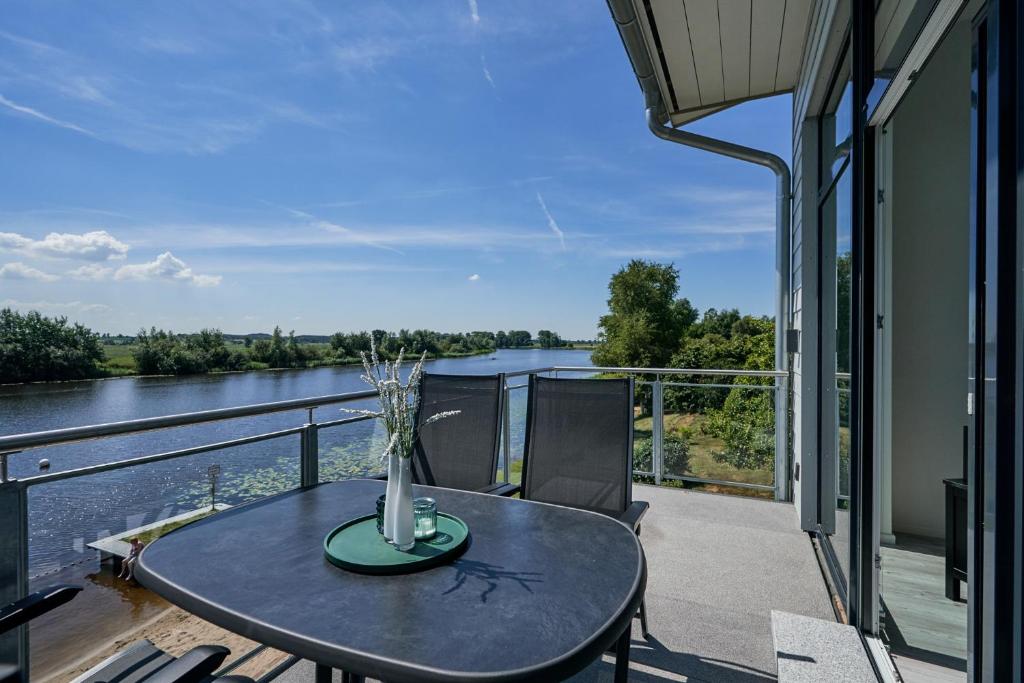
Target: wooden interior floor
{"type": "Point", "coordinates": [926, 632]}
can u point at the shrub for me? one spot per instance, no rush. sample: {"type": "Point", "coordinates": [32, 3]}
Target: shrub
{"type": "Point", "coordinates": [675, 453]}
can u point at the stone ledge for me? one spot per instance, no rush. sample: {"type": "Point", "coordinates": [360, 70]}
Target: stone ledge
{"type": "Point", "coordinates": [811, 650]}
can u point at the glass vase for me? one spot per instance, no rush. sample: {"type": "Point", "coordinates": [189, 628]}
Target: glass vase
{"type": "Point", "coordinates": [399, 523]}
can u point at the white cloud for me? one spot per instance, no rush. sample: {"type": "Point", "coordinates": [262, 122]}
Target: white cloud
{"type": "Point", "coordinates": [36, 114]}
{"type": "Point", "coordinates": [97, 245]}
{"type": "Point", "coordinates": [474, 277]}
{"type": "Point", "coordinates": [552, 224]}
{"type": "Point", "coordinates": [166, 266]}
{"type": "Point", "coordinates": [54, 306]}
{"type": "Point", "coordinates": [19, 271]}
{"type": "Point", "coordinates": [487, 72]}
{"type": "Point", "coordinates": [474, 12]}
{"type": "Point", "coordinates": [91, 271]}
{"type": "Point", "coordinates": [363, 54]}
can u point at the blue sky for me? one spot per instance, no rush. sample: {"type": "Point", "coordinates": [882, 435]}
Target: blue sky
{"type": "Point", "coordinates": [323, 166]}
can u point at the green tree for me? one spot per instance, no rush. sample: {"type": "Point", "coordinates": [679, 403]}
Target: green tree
{"type": "Point", "coordinates": [746, 420]}
{"type": "Point", "coordinates": [35, 348]}
{"type": "Point", "coordinates": [645, 321]}
{"type": "Point", "coordinates": [519, 338]}
{"type": "Point", "coordinates": [843, 319]}
{"type": "Point", "coordinates": [549, 340]}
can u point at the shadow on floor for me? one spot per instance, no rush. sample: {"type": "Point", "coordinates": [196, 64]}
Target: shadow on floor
{"type": "Point", "coordinates": [898, 644]}
{"type": "Point", "coordinates": [652, 662]}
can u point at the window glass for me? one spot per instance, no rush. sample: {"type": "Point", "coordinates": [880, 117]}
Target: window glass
{"type": "Point", "coordinates": [836, 192]}
{"type": "Point", "coordinates": [898, 25]}
{"type": "Point", "coordinates": [837, 125]}
{"type": "Point", "coordinates": [836, 224]}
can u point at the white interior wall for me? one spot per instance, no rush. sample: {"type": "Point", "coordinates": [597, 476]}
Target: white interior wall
{"type": "Point", "coordinates": [930, 220]}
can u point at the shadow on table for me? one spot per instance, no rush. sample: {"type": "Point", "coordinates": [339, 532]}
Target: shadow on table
{"type": "Point", "coordinates": [652, 662]}
{"type": "Point", "coordinates": [491, 576]}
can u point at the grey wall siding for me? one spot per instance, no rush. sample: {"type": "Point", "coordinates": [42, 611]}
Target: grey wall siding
{"type": "Point", "coordinates": [930, 197]}
{"type": "Point", "coordinates": [823, 46]}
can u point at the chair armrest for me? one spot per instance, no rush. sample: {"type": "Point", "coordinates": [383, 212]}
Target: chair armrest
{"type": "Point", "coordinates": [500, 489]}
{"type": "Point", "coordinates": [194, 666]}
{"type": "Point", "coordinates": [634, 513]}
{"type": "Point", "coordinates": [31, 606]}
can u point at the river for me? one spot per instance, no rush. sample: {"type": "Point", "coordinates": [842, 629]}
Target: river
{"type": "Point", "coordinates": [65, 516]}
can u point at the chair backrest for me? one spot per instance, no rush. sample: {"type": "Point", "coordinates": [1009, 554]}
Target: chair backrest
{"type": "Point", "coordinates": [459, 452]}
{"type": "Point", "coordinates": [579, 443]}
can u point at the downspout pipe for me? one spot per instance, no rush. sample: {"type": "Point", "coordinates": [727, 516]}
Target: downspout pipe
{"type": "Point", "coordinates": [633, 40]}
{"type": "Point", "coordinates": [783, 210]}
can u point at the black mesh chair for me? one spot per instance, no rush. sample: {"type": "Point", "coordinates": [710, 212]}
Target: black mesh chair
{"type": "Point", "coordinates": [141, 662]}
{"type": "Point", "coordinates": [460, 452]}
{"type": "Point", "coordinates": [579, 449]}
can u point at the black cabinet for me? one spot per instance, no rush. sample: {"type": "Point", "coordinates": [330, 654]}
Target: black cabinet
{"type": "Point", "coordinates": [956, 536]}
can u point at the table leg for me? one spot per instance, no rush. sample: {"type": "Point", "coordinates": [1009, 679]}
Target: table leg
{"type": "Point", "coordinates": [323, 674]}
{"type": "Point", "coordinates": [622, 654]}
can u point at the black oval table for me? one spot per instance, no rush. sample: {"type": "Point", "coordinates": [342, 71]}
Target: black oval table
{"type": "Point", "coordinates": [540, 593]}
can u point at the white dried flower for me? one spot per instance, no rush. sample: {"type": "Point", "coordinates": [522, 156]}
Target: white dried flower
{"type": "Point", "coordinates": [398, 402]}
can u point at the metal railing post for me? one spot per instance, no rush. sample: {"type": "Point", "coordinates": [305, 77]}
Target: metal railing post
{"type": "Point", "coordinates": [506, 434]}
{"type": "Point", "coordinates": [309, 462]}
{"type": "Point", "coordinates": [781, 439]}
{"type": "Point", "coordinates": [13, 563]}
{"type": "Point", "coordinates": [657, 429]}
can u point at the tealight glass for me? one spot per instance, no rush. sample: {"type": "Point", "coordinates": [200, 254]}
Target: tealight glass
{"type": "Point", "coordinates": [380, 514]}
{"type": "Point", "coordinates": [425, 512]}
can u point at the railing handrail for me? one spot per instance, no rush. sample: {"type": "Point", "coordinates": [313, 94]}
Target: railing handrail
{"type": "Point", "coordinates": [652, 371]}
{"type": "Point", "coordinates": [14, 443]}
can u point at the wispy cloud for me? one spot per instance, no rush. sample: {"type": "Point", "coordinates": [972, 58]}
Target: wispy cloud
{"type": "Point", "coordinates": [91, 271]}
{"type": "Point", "coordinates": [17, 270]}
{"type": "Point", "coordinates": [166, 266]}
{"type": "Point", "coordinates": [474, 12]}
{"type": "Point", "coordinates": [552, 223]}
{"type": "Point", "coordinates": [169, 45]}
{"type": "Point", "coordinates": [355, 236]}
{"type": "Point", "coordinates": [487, 72]}
{"type": "Point", "coordinates": [36, 114]}
{"type": "Point", "coordinates": [474, 277]}
{"type": "Point", "coordinates": [55, 306]}
{"type": "Point", "coordinates": [95, 245]}
{"type": "Point", "coordinates": [363, 54]}
{"type": "Point", "coordinates": [433, 192]}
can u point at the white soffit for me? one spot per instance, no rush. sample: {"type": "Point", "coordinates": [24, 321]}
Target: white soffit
{"type": "Point", "coordinates": [710, 54]}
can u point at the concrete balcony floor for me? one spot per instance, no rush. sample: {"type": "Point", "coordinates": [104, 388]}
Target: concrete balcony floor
{"type": "Point", "coordinates": [717, 566]}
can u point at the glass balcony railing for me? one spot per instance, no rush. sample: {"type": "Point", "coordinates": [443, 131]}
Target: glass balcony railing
{"type": "Point", "coordinates": [712, 429]}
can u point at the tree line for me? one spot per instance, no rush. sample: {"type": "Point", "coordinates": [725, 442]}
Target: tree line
{"type": "Point", "coordinates": [648, 325]}
{"type": "Point", "coordinates": [34, 347]}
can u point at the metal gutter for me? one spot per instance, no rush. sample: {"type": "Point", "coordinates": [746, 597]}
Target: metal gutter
{"type": "Point", "coordinates": [628, 24]}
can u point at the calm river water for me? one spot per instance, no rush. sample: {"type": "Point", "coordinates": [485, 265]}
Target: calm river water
{"type": "Point", "coordinates": [65, 516]}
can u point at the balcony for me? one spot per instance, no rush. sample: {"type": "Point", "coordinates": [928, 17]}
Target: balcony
{"type": "Point", "coordinates": [718, 565]}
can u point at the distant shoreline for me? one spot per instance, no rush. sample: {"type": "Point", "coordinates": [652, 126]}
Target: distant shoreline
{"type": "Point", "coordinates": [344, 364]}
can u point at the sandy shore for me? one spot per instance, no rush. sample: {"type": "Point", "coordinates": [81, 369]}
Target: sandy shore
{"type": "Point", "coordinates": [176, 631]}
{"type": "Point", "coordinates": [110, 614]}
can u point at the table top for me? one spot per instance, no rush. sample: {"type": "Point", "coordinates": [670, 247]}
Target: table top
{"type": "Point", "coordinates": [541, 591]}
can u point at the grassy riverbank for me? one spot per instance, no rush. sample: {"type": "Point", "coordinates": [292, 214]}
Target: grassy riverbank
{"type": "Point", "coordinates": [119, 359]}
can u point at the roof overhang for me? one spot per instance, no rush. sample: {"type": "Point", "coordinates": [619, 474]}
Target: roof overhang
{"type": "Point", "coordinates": [696, 57]}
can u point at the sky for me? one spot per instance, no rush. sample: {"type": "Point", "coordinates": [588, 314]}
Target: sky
{"type": "Point", "coordinates": [451, 164]}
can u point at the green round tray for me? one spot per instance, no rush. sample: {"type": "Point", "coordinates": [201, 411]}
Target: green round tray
{"type": "Point", "coordinates": [356, 546]}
